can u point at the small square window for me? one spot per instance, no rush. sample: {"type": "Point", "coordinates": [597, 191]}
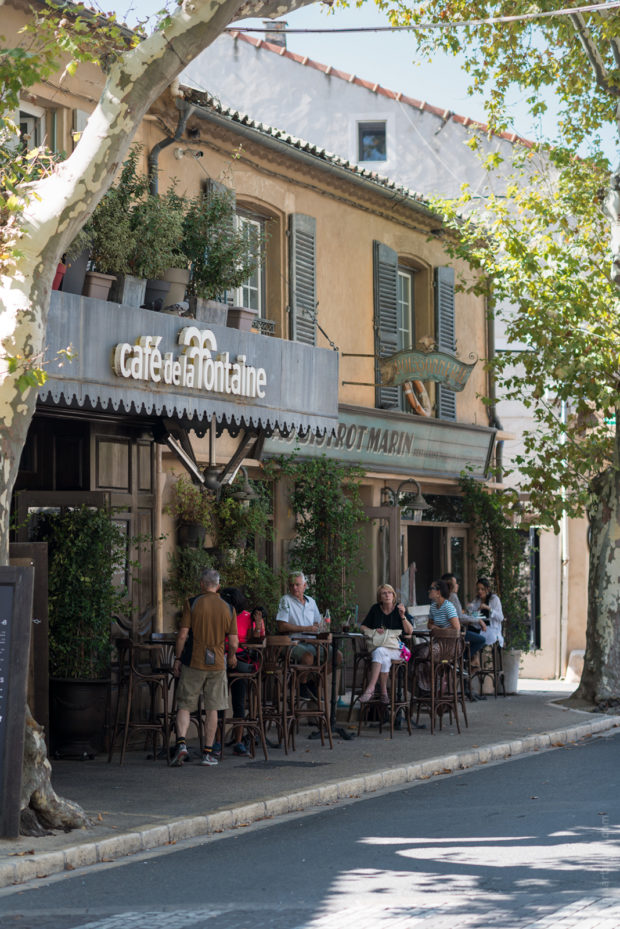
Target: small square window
{"type": "Point", "coordinates": [372, 142]}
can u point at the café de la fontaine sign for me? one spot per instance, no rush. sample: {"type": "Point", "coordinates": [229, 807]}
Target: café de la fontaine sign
{"type": "Point", "coordinates": [198, 366]}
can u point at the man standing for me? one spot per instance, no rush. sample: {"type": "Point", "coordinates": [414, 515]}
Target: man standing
{"type": "Point", "coordinates": [210, 620]}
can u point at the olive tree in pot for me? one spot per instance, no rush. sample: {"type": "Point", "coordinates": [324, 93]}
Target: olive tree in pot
{"type": "Point", "coordinates": [85, 550]}
{"type": "Point", "coordinates": [221, 256]}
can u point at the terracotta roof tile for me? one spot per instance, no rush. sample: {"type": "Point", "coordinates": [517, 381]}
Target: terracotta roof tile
{"type": "Point", "coordinates": [329, 71]}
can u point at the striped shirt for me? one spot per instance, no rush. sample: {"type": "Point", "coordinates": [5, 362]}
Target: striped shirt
{"type": "Point", "coordinates": [441, 615]}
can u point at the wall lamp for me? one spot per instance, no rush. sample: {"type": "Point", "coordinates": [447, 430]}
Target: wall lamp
{"type": "Point", "coordinates": [194, 152]}
{"type": "Point", "coordinates": [391, 497]}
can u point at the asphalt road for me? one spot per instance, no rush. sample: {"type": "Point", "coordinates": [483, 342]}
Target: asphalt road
{"type": "Point", "coordinates": [532, 842]}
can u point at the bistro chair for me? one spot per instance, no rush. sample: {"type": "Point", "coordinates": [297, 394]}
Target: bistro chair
{"type": "Point", "coordinates": [399, 700]}
{"type": "Point", "coordinates": [438, 679]}
{"type": "Point", "coordinates": [252, 722]}
{"type": "Point", "coordinates": [317, 710]}
{"type": "Point", "coordinates": [276, 691]}
{"type": "Point", "coordinates": [142, 665]}
{"type": "Point", "coordinates": [361, 671]}
{"type": "Point", "coordinates": [492, 667]}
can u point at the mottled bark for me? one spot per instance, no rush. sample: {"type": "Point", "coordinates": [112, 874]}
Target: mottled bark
{"type": "Point", "coordinates": [42, 808]}
{"type": "Point", "coordinates": [60, 205]}
{"type": "Point", "coordinates": [600, 681]}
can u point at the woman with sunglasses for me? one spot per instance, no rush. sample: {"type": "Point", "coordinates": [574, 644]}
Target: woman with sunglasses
{"type": "Point", "coordinates": [490, 606]}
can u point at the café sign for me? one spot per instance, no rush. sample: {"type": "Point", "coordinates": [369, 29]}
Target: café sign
{"type": "Point", "coordinates": [424, 366]}
{"type": "Point", "coordinates": [198, 366]}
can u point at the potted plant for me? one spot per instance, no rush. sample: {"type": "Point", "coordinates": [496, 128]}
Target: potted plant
{"type": "Point", "coordinates": [221, 257]}
{"type": "Point", "coordinates": [193, 507]}
{"type": "Point", "coordinates": [85, 549]}
{"type": "Point", "coordinates": [502, 557]}
{"type": "Point", "coordinates": [133, 236]}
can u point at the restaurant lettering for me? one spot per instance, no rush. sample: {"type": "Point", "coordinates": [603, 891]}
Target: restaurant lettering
{"type": "Point", "coordinates": [355, 437]}
{"type": "Point", "coordinates": [197, 367]}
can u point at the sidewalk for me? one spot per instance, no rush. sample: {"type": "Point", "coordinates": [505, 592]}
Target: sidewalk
{"type": "Point", "coordinates": [146, 804]}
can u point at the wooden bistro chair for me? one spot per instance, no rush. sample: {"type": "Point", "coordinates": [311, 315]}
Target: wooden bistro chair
{"type": "Point", "coordinates": [317, 710]}
{"type": "Point", "coordinates": [142, 665]}
{"type": "Point", "coordinates": [438, 680]}
{"type": "Point", "coordinates": [253, 721]}
{"type": "Point", "coordinates": [491, 666]}
{"type": "Point", "coordinates": [276, 695]}
{"type": "Point", "coordinates": [399, 703]}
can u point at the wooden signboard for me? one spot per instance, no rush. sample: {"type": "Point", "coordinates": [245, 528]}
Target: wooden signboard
{"type": "Point", "coordinates": [16, 587]}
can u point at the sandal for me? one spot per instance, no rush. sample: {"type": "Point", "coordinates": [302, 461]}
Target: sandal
{"type": "Point", "coordinates": [385, 698]}
{"type": "Point", "coordinates": [367, 696]}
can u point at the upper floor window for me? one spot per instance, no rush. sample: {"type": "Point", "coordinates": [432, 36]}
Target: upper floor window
{"type": "Point", "coordinates": [405, 311]}
{"type": "Point", "coordinates": [31, 126]}
{"type": "Point", "coordinates": [372, 141]}
{"type": "Point", "coordinates": [251, 294]}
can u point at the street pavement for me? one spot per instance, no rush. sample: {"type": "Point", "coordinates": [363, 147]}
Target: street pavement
{"type": "Point", "coordinates": [144, 804]}
{"type": "Point", "coordinates": [526, 844]}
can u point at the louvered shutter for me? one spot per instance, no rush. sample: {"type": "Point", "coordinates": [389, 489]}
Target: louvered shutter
{"type": "Point", "coordinates": [444, 329]}
{"type": "Point", "coordinates": [386, 318]}
{"type": "Point", "coordinates": [302, 276]}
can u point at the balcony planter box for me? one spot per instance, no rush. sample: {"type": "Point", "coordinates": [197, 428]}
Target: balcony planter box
{"type": "Point", "coordinates": [240, 317]}
{"type": "Point", "coordinates": [156, 295]}
{"type": "Point", "coordinates": [179, 279]}
{"type": "Point", "coordinates": [98, 285]}
{"type": "Point", "coordinates": [128, 289]}
{"type": "Point", "coordinates": [208, 311]}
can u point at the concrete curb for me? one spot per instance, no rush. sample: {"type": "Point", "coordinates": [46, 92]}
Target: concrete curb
{"type": "Point", "coordinates": [130, 843]}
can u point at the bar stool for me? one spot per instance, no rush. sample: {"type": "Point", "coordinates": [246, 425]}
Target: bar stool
{"type": "Point", "coordinates": [253, 721]}
{"type": "Point", "coordinates": [491, 665]}
{"type": "Point", "coordinates": [315, 673]}
{"type": "Point", "coordinates": [399, 702]}
{"type": "Point", "coordinates": [133, 676]}
{"type": "Point", "coordinates": [438, 682]}
{"type": "Point", "coordinates": [276, 696]}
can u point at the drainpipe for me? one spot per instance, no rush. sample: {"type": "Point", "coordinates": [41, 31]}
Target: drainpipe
{"type": "Point", "coordinates": [186, 110]}
{"type": "Point", "coordinates": [492, 412]}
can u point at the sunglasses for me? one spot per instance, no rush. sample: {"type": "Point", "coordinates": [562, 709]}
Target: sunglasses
{"type": "Point", "coordinates": [433, 588]}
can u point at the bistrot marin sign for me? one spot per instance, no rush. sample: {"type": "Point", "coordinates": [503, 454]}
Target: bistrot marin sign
{"type": "Point", "coordinates": [393, 442]}
{"type": "Point", "coordinates": [197, 367]}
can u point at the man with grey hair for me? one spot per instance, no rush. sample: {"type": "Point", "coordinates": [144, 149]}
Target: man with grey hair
{"type": "Point", "coordinates": [297, 610]}
{"type": "Point", "coordinates": [202, 667]}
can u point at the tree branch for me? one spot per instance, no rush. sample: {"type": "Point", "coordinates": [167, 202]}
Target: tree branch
{"type": "Point", "coordinates": [593, 55]}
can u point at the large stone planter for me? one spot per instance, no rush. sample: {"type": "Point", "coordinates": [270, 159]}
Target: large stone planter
{"type": "Point", "coordinates": [78, 713]}
{"type": "Point", "coordinates": [208, 311]}
{"type": "Point", "coordinates": [98, 285]}
{"type": "Point", "coordinates": [128, 289]}
{"type": "Point", "coordinates": [179, 279]}
{"type": "Point", "coordinates": [511, 659]}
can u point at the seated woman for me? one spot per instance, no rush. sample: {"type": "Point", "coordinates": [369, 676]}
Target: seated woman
{"type": "Point", "coordinates": [386, 613]}
{"type": "Point", "coordinates": [490, 606]}
{"type": "Point", "coordinates": [475, 639]}
{"type": "Point", "coordinates": [246, 625]}
{"type": "Point", "coordinates": [442, 615]}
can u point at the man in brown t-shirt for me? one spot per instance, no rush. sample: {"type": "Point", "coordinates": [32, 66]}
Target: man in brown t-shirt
{"type": "Point", "coordinates": [210, 620]}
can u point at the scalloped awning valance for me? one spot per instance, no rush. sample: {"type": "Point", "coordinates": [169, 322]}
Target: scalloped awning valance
{"type": "Point", "coordinates": [137, 362]}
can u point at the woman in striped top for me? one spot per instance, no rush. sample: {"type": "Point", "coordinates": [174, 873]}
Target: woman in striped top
{"type": "Point", "coordinates": [442, 613]}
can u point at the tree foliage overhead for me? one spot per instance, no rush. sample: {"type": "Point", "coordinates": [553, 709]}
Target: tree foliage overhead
{"type": "Point", "coordinates": [577, 56]}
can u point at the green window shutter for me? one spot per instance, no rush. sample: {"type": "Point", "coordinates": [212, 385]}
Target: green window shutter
{"type": "Point", "coordinates": [302, 277]}
{"type": "Point", "coordinates": [386, 318]}
{"type": "Point", "coordinates": [444, 330]}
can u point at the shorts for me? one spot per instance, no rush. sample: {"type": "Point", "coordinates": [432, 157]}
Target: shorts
{"type": "Point", "coordinates": [193, 682]}
{"type": "Point", "coordinates": [298, 652]}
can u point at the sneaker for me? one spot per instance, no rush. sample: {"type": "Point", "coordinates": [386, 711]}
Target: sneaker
{"type": "Point", "coordinates": [216, 748]}
{"type": "Point", "coordinates": [208, 758]}
{"type": "Point", "coordinates": [239, 749]}
{"type": "Point", "coordinates": [179, 755]}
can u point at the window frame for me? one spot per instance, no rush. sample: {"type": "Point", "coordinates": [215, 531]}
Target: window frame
{"type": "Point", "coordinates": [406, 335]}
{"type": "Point", "coordinates": [374, 125]}
{"type": "Point", "coordinates": [244, 217]}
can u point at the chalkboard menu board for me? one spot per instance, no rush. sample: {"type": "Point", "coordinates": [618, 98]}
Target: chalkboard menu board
{"type": "Point", "coordinates": [16, 585]}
